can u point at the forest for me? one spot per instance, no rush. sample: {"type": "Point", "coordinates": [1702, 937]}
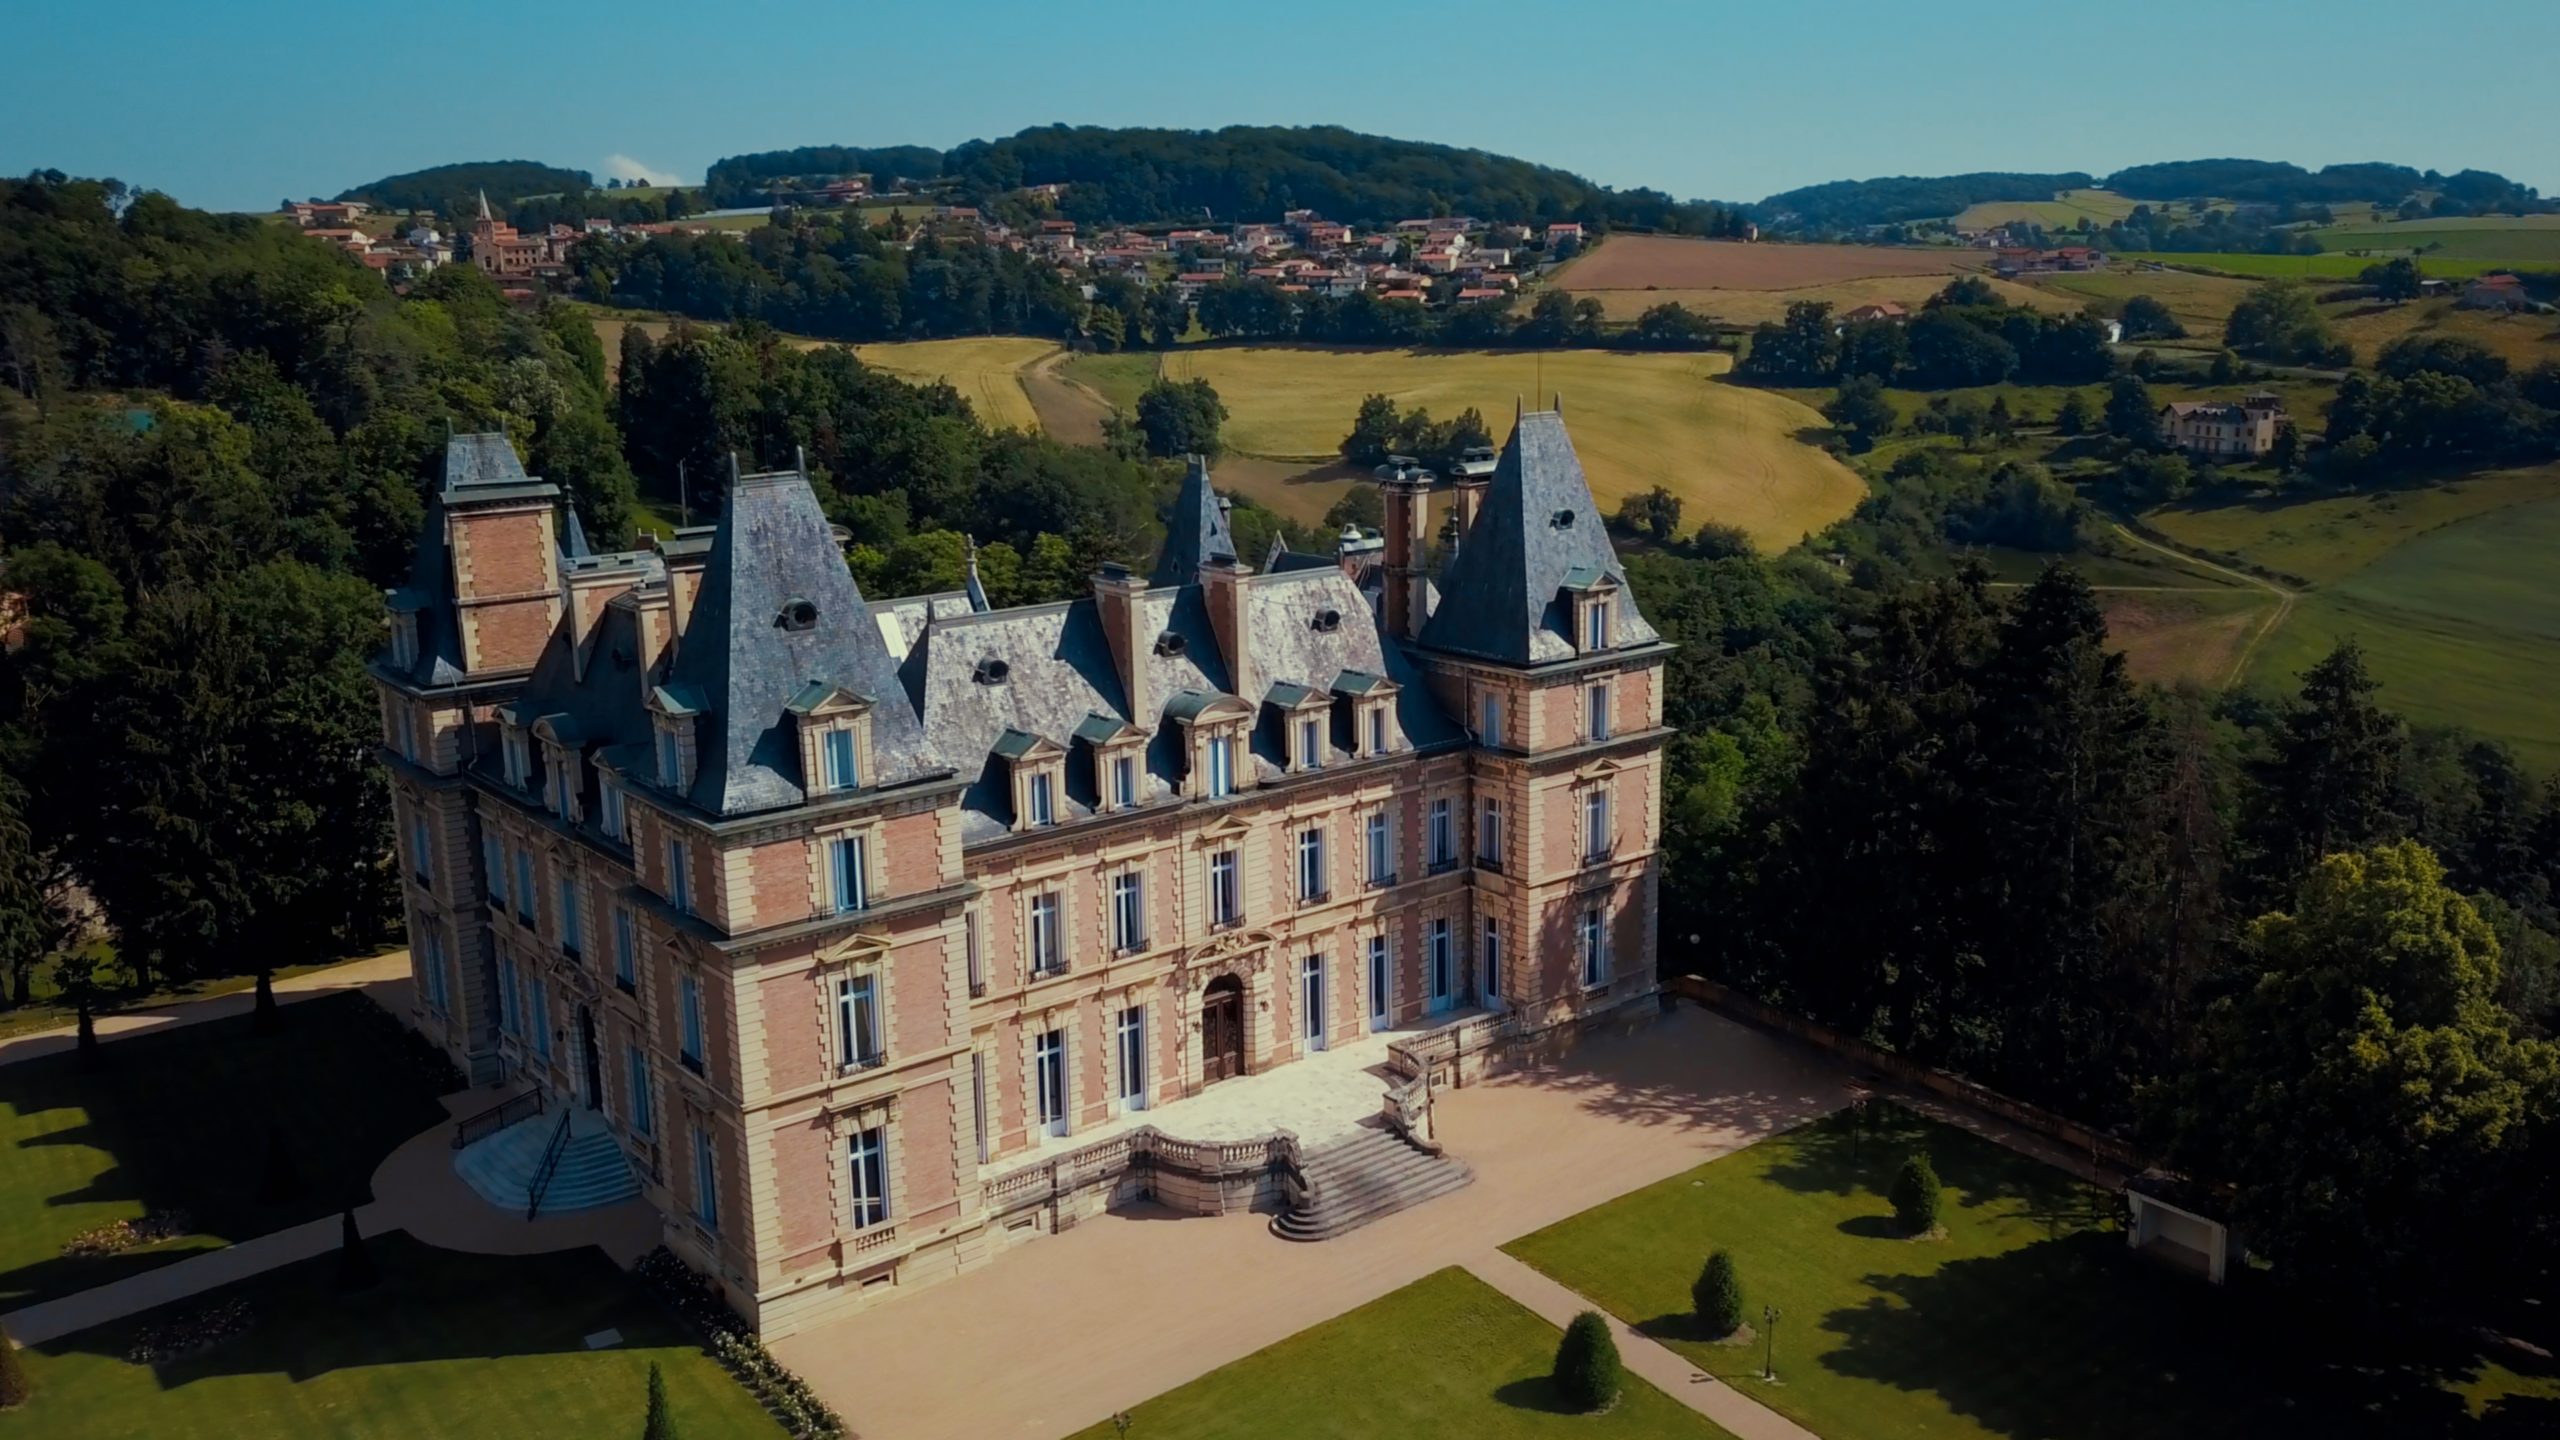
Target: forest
{"type": "Point", "coordinates": [454, 190]}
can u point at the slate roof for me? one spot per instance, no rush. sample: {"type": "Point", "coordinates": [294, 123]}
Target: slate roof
{"type": "Point", "coordinates": [601, 709]}
{"type": "Point", "coordinates": [773, 548]}
{"type": "Point", "coordinates": [1502, 597]}
{"type": "Point", "coordinates": [1196, 530]}
{"type": "Point", "coordinates": [1289, 649]}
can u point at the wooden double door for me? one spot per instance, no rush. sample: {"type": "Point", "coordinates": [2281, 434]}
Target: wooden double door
{"type": "Point", "coordinates": [1222, 1030]}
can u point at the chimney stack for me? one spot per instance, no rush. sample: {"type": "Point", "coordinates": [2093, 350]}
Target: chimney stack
{"type": "Point", "coordinates": [1407, 489]}
{"type": "Point", "coordinates": [1120, 597]}
{"type": "Point", "coordinates": [1222, 585]}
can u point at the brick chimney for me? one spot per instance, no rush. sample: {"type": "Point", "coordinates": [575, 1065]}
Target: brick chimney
{"type": "Point", "coordinates": [1119, 595]}
{"type": "Point", "coordinates": [1408, 503]}
{"type": "Point", "coordinates": [1222, 584]}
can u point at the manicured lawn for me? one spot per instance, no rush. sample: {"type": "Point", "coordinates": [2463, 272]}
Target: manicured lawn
{"type": "Point", "coordinates": [182, 1119]}
{"type": "Point", "coordinates": [1446, 1356]}
{"type": "Point", "coordinates": [45, 1010]}
{"type": "Point", "coordinates": [2030, 1319]}
{"type": "Point", "coordinates": [447, 1345]}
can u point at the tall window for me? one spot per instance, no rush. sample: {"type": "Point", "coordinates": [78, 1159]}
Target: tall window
{"type": "Point", "coordinates": [1595, 953]}
{"type": "Point", "coordinates": [613, 816]}
{"type": "Point", "coordinates": [1597, 838]}
{"type": "Point", "coordinates": [706, 1181]}
{"type": "Point", "coordinates": [1595, 711]}
{"type": "Point", "coordinates": [845, 866]}
{"type": "Point", "coordinates": [1595, 626]}
{"type": "Point", "coordinates": [867, 1195]}
{"type": "Point", "coordinates": [1133, 1058]}
{"type": "Point", "coordinates": [524, 885]}
{"type": "Point", "coordinates": [1049, 1071]}
{"type": "Point", "coordinates": [540, 1019]}
{"type": "Point", "coordinates": [510, 996]}
{"type": "Point", "coordinates": [1443, 966]}
{"type": "Point", "coordinates": [1226, 899]}
{"type": "Point", "coordinates": [978, 1101]}
{"type": "Point", "coordinates": [840, 770]}
{"type": "Point", "coordinates": [421, 858]}
{"type": "Point", "coordinates": [1381, 981]}
{"type": "Point", "coordinates": [626, 952]}
{"type": "Point", "coordinates": [1222, 765]}
{"type": "Point", "coordinates": [680, 877]}
{"type": "Point", "coordinates": [1128, 912]}
{"type": "Point", "coordinates": [1489, 833]}
{"type": "Point", "coordinates": [431, 965]}
{"type": "Point", "coordinates": [689, 1006]}
{"type": "Point", "coordinates": [1124, 781]}
{"type": "Point", "coordinates": [1377, 729]}
{"type": "Point", "coordinates": [493, 863]}
{"type": "Point", "coordinates": [1444, 840]}
{"type": "Point", "coordinates": [1311, 868]}
{"type": "Point", "coordinates": [1492, 986]}
{"type": "Point", "coordinates": [975, 952]}
{"type": "Point", "coordinates": [670, 760]}
{"type": "Point", "coordinates": [572, 931]}
{"type": "Point", "coordinates": [1048, 941]}
{"type": "Point", "coordinates": [1382, 855]}
{"type": "Point", "coordinates": [858, 1021]}
{"type": "Point", "coordinates": [1043, 805]}
{"type": "Point", "coordinates": [636, 1068]}
{"type": "Point", "coordinates": [1311, 1000]}
{"type": "Point", "coordinates": [1310, 743]}
{"type": "Point", "coordinates": [1489, 718]}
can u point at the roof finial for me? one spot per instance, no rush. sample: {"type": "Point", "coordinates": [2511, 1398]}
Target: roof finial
{"type": "Point", "coordinates": [733, 469]}
{"type": "Point", "coordinates": [800, 460]}
{"type": "Point", "coordinates": [1559, 406]}
{"type": "Point", "coordinates": [1519, 406]}
{"type": "Point", "coordinates": [977, 590]}
{"type": "Point", "coordinates": [484, 204]}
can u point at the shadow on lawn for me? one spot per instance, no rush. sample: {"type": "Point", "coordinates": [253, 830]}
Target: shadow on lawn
{"type": "Point", "coordinates": [1538, 1393]}
{"type": "Point", "coordinates": [2076, 1336]}
{"type": "Point", "coordinates": [1692, 1071]}
{"type": "Point", "coordinates": [430, 1304]}
{"type": "Point", "coordinates": [1846, 1153]}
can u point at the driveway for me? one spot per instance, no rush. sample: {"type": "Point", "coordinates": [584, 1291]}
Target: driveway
{"type": "Point", "coordinates": [1059, 1333]}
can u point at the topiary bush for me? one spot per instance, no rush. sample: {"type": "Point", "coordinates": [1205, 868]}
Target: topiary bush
{"type": "Point", "coordinates": [1718, 1295]}
{"type": "Point", "coordinates": [1587, 1368]}
{"type": "Point", "coordinates": [1915, 1196]}
{"type": "Point", "coordinates": [15, 1387]}
{"type": "Point", "coordinates": [660, 1422]}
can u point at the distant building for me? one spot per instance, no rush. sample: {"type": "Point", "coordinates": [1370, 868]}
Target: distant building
{"type": "Point", "coordinates": [2223, 430]}
{"type": "Point", "coordinates": [2494, 292]}
{"type": "Point", "coordinates": [1564, 230]}
{"type": "Point", "coordinates": [308, 213]}
{"type": "Point", "coordinates": [1892, 311]}
{"type": "Point", "coordinates": [504, 254]}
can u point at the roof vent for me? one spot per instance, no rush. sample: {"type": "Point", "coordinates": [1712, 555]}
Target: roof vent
{"type": "Point", "coordinates": [1169, 643]}
{"type": "Point", "coordinates": [1328, 620]}
{"type": "Point", "coordinates": [797, 614]}
{"type": "Point", "coordinates": [991, 671]}
{"type": "Point", "coordinates": [1562, 520]}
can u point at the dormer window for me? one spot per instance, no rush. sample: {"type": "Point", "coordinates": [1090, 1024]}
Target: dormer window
{"type": "Point", "coordinates": [404, 640]}
{"type": "Point", "coordinates": [670, 759]}
{"type": "Point", "coordinates": [835, 737]}
{"type": "Point", "coordinates": [1039, 768]}
{"type": "Point", "coordinates": [1310, 746]}
{"type": "Point", "coordinates": [1220, 761]}
{"type": "Point", "coordinates": [519, 755]}
{"type": "Point", "coordinates": [611, 814]}
{"type": "Point", "coordinates": [1595, 624]}
{"type": "Point", "coordinates": [1124, 780]}
{"type": "Point", "coordinates": [1042, 789]}
{"type": "Point", "coordinates": [841, 771]}
{"type": "Point", "coordinates": [672, 709]}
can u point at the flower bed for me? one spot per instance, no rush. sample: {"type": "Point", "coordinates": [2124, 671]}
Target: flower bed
{"type": "Point", "coordinates": [123, 1235]}
{"type": "Point", "coordinates": [190, 1333]}
{"type": "Point", "coordinates": [696, 1298]}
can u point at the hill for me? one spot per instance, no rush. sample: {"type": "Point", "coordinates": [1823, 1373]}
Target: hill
{"type": "Point", "coordinates": [441, 187]}
{"type": "Point", "coordinates": [1846, 204]}
{"type": "Point", "coordinates": [2280, 182]}
{"type": "Point", "coordinates": [1138, 176]}
{"type": "Point", "coordinates": [746, 179]}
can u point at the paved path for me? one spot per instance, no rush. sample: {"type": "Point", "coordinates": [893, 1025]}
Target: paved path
{"type": "Point", "coordinates": [370, 975]}
{"type": "Point", "coordinates": [1135, 1302]}
{"type": "Point", "coordinates": [1663, 1368]}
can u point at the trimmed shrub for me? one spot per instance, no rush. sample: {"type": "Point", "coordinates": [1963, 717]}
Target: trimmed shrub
{"type": "Point", "coordinates": [1587, 1368]}
{"type": "Point", "coordinates": [1915, 1196]}
{"type": "Point", "coordinates": [15, 1387]}
{"type": "Point", "coordinates": [661, 1424]}
{"type": "Point", "coordinates": [1718, 1295]}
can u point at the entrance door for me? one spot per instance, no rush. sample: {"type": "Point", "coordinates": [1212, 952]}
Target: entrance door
{"type": "Point", "coordinates": [593, 1056]}
{"type": "Point", "coordinates": [1222, 1030]}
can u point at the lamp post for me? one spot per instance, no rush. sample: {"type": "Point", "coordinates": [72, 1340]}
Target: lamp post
{"type": "Point", "coordinates": [1769, 1342]}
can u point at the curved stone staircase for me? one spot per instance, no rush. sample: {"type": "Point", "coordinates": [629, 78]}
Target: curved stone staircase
{"type": "Point", "coordinates": [1357, 1180]}
{"type": "Point", "coordinates": [591, 1169]}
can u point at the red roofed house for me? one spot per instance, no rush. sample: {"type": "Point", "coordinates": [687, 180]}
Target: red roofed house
{"type": "Point", "coordinates": [2494, 292]}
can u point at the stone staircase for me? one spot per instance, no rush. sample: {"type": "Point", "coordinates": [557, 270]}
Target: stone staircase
{"type": "Point", "coordinates": [1370, 1174]}
{"type": "Point", "coordinates": [591, 1171]}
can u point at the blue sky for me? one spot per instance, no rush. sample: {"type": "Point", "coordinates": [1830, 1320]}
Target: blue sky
{"type": "Point", "coordinates": [238, 104]}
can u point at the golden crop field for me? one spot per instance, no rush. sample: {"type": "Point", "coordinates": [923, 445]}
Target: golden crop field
{"type": "Point", "coordinates": [1750, 307]}
{"type": "Point", "coordinates": [987, 370]}
{"type": "Point", "coordinates": [2525, 340]}
{"type": "Point", "coordinates": [2064, 210]}
{"type": "Point", "coordinates": [1673, 262]}
{"type": "Point", "coordinates": [1731, 453]}
{"type": "Point", "coordinates": [2202, 303]}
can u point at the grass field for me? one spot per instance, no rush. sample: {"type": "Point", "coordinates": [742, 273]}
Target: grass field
{"type": "Point", "coordinates": [2325, 540]}
{"type": "Point", "coordinates": [181, 1119]}
{"type": "Point", "coordinates": [1731, 453]}
{"type": "Point", "coordinates": [2460, 625]}
{"type": "Point", "coordinates": [2030, 1319]}
{"type": "Point", "coordinates": [2525, 340]}
{"type": "Point", "coordinates": [1750, 307]}
{"type": "Point", "coordinates": [1118, 379]}
{"type": "Point", "coordinates": [2532, 240]}
{"type": "Point", "coordinates": [2183, 637]}
{"type": "Point", "coordinates": [2064, 210]}
{"type": "Point", "coordinates": [1445, 1358]}
{"type": "Point", "coordinates": [2202, 303]}
{"type": "Point", "coordinates": [987, 370]}
{"type": "Point", "coordinates": [2303, 267]}
{"type": "Point", "coordinates": [1669, 262]}
{"type": "Point", "coordinates": [448, 1345]}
